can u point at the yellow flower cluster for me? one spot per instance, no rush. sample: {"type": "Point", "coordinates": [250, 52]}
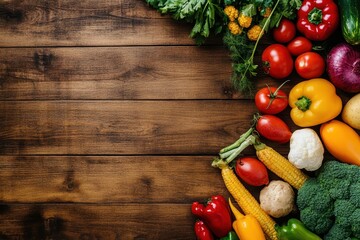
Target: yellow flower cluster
{"type": "Point", "coordinates": [254, 33]}
{"type": "Point", "coordinates": [244, 21]}
{"type": "Point", "coordinates": [234, 28]}
{"type": "Point", "coordinates": [237, 21]}
{"type": "Point", "coordinates": [231, 12]}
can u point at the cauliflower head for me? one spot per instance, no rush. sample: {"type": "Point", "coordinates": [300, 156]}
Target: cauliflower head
{"type": "Point", "coordinates": [306, 150]}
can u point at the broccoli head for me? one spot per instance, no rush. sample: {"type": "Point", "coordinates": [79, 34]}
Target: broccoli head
{"type": "Point", "coordinates": [329, 203]}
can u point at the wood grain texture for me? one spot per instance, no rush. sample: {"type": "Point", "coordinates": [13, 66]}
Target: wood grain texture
{"type": "Point", "coordinates": [121, 127]}
{"type": "Point", "coordinates": [172, 72]}
{"type": "Point", "coordinates": [87, 23]}
{"type": "Point", "coordinates": [108, 179]}
{"type": "Point", "coordinates": [120, 73]}
{"type": "Point", "coordinates": [83, 222]}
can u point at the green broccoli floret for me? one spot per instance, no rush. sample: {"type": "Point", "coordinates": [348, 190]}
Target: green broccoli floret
{"type": "Point", "coordinates": [355, 194]}
{"type": "Point", "coordinates": [312, 195]}
{"type": "Point", "coordinates": [316, 207]}
{"type": "Point", "coordinates": [329, 204]}
{"type": "Point", "coordinates": [336, 178]}
{"type": "Point", "coordinates": [338, 232]}
{"type": "Point", "coordinates": [342, 208]}
{"type": "Point", "coordinates": [355, 223]}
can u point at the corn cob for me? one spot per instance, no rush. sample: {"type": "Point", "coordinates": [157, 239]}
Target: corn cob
{"type": "Point", "coordinates": [247, 202]}
{"type": "Point", "coordinates": [279, 165]}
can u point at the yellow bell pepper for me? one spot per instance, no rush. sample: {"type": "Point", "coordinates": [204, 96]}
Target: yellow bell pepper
{"type": "Point", "coordinates": [246, 226]}
{"type": "Point", "coordinates": [314, 102]}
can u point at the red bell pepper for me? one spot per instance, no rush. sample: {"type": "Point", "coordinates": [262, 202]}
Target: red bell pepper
{"type": "Point", "coordinates": [216, 215]}
{"type": "Point", "coordinates": [318, 19]}
{"type": "Point", "coordinates": [202, 231]}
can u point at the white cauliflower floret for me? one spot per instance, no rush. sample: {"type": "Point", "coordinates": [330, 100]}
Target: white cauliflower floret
{"type": "Point", "coordinates": [306, 149]}
{"type": "Point", "coordinates": [277, 199]}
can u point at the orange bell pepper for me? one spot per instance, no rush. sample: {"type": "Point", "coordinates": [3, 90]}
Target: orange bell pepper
{"type": "Point", "coordinates": [341, 141]}
{"type": "Point", "coordinates": [314, 102]}
{"type": "Point", "coordinates": [246, 226]}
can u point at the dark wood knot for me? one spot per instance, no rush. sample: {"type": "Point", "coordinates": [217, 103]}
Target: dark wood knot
{"type": "Point", "coordinates": [11, 15]}
{"type": "Point", "coordinates": [42, 60]}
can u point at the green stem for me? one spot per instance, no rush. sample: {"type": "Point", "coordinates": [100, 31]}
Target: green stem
{"type": "Point", "coordinates": [315, 16]}
{"type": "Point", "coordinates": [251, 58]}
{"type": "Point", "coordinates": [227, 154]}
{"type": "Point", "coordinates": [238, 142]}
{"type": "Point", "coordinates": [250, 140]}
{"type": "Point", "coordinates": [274, 95]}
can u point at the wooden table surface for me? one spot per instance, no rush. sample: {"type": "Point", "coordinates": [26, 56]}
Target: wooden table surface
{"type": "Point", "coordinates": [110, 117]}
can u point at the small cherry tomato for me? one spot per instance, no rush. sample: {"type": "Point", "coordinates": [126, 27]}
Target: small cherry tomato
{"type": "Point", "coordinates": [252, 171]}
{"type": "Point", "coordinates": [285, 32]}
{"type": "Point", "coordinates": [273, 128]}
{"type": "Point", "coordinates": [271, 100]}
{"type": "Point", "coordinates": [277, 61]}
{"type": "Point", "coordinates": [299, 45]}
{"type": "Point", "coordinates": [310, 65]}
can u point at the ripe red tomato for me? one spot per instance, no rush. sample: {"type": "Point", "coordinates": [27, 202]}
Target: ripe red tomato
{"type": "Point", "coordinates": [299, 45]}
{"type": "Point", "coordinates": [277, 61]}
{"type": "Point", "coordinates": [252, 171]}
{"type": "Point", "coordinates": [285, 32]}
{"type": "Point", "coordinates": [271, 100]}
{"type": "Point", "coordinates": [273, 128]}
{"type": "Point", "coordinates": [310, 65]}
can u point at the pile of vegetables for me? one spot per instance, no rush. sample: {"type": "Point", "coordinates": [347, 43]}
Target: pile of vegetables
{"type": "Point", "coordinates": [324, 193]}
{"type": "Point", "coordinates": [294, 24]}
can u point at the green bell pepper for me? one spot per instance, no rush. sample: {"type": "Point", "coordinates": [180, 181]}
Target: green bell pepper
{"type": "Point", "coordinates": [295, 230]}
{"type": "Point", "coordinates": [230, 236]}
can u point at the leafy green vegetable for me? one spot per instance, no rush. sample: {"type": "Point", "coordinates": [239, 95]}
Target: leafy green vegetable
{"type": "Point", "coordinates": [156, 3]}
{"type": "Point", "coordinates": [205, 14]}
{"type": "Point", "coordinates": [249, 10]}
{"type": "Point", "coordinates": [287, 9]}
{"type": "Point", "coordinates": [240, 52]}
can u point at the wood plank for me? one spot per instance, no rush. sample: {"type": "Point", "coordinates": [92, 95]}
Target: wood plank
{"type": "Point", "coordinates": [90, 23]}
{"type": "Point", "coordinates": [182, 72]}
{"type": "Point", "coordinates": [108, 179]}
{"type": "Point", "coordinates": [84, 222]}
{"type": "Point", "coordinates": [176, 72]}
{"type": "Point", "coordinates": [122, 127]}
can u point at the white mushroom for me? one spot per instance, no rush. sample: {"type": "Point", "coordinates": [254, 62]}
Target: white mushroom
{"type": "Point", "coordinates": [277, 199]}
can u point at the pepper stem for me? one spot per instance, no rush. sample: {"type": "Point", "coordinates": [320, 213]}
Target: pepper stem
{"type": "Point", "coordinates": [303, 103]}
{"type": "Point", "coordinates": [315, 16]}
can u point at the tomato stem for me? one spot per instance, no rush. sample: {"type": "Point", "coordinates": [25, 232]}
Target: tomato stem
{"type": "Point", "coordinates": [274, 95]}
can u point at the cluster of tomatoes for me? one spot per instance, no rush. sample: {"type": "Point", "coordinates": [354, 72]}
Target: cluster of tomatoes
{"type": "Point", "coordinates": [269, 101]}
{"type": "Point", "coordinates": [279, 59]}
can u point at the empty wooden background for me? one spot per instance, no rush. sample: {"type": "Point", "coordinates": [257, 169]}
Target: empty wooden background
{"type": "Point", "coordinates": [110, 116]}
